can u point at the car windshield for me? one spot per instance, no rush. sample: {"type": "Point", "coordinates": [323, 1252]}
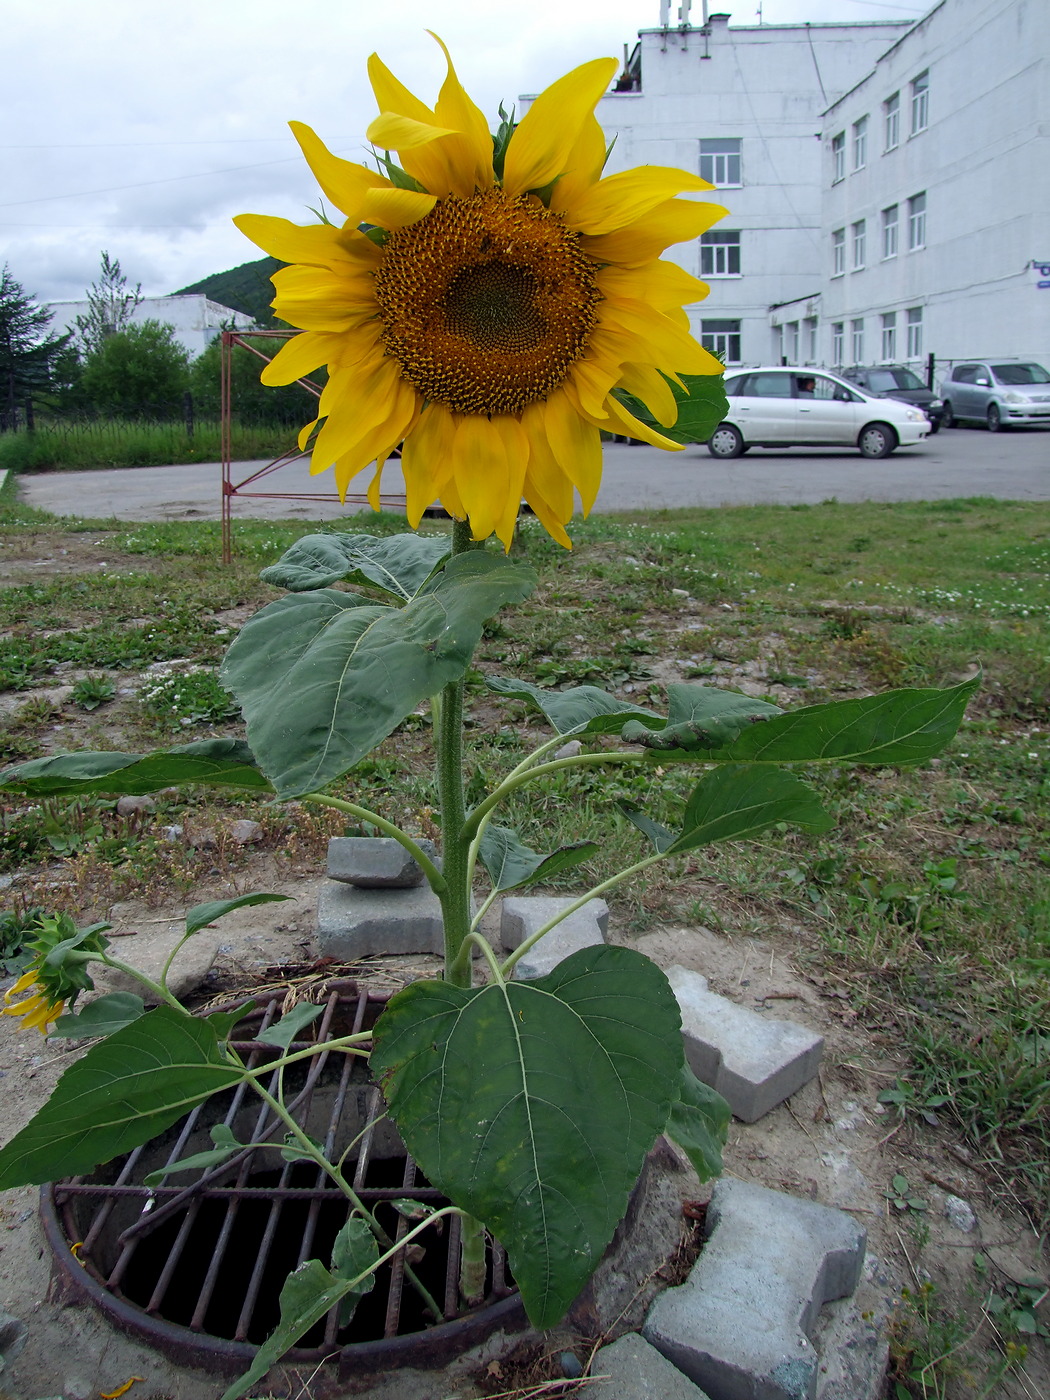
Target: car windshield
{"type": "Point", "coordinates": [1021, 374]}
{"type": "Point", "coordinates": [884, 381]}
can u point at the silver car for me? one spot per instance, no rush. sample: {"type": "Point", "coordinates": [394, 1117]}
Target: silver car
{"type": "Point", "coordinates": [785, 406]}
{"type": "Point", "coordinates": [999, 393]}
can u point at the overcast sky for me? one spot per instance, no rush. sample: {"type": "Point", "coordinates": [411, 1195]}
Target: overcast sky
{"type": "Point", "coordinates": [142, 128]}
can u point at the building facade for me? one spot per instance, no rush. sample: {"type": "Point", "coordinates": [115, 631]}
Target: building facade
{"type": "Point", "coordinates": [195, 320]}
{"type": "Point", "coordinates": [888, 183]}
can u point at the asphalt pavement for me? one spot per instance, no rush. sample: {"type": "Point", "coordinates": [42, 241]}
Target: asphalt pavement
{"type": "Point", "coordinates": [953, 462]}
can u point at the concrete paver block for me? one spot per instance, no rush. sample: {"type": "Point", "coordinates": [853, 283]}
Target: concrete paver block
{"type": "Point", "coordinates": [753, 1060]}
{"type": "Point", "coordinates": [637, 1371]}
{"type": "Point", "coordinates": [361, 923]}
{"type": "Point", "coordinates": [740, 1325]}
{"type": "Point", "coordinates": [375, 862]}
{"type": "Point", "coordinates": [524, 915]}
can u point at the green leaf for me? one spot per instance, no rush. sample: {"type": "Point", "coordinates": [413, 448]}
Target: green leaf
{"type": "Point", "coordinates": [544, 1146]}
{"type": "Point", "coordinates": [584, 709]}
{"type": "Point", "coordinates": [701, 717]}
{"type": "Point", "coordinates": [737, 801]}
{"type": "Point", "coordinates": [201, 915]}
{"type": "Point", "coordinates": [659, 835]}
{"type": "Point", "coordinates": [125, 1090]}
{"type": "Point", "coordinates": [288, 1027]}
{"type": "Point", "coordinates": [307, 1295]}
{"type": "Point", "coordinates": [102, 1017]}
{"type": "Point", "coordinates": [899, 726]}
{"type": "Point", "coordinates": [699, 1123]}
{"type": "Point", "coordinates": [213, 762]}
{"type": "Point", "coordinates": [323, 677]}
{"type": "Point", "coordinates": [701, 407]}
{"type": "Point", "coordinates": [226, 1145]}
{"type": "Point", "coordinates": [399, 564]}
{"type": "Point", "coordinates": [511, 864]}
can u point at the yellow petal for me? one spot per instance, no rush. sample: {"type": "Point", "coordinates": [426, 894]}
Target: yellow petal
{"type": "Point", "coordinates": [22, 985]}
{"type": "Point", "coordinates": [652, 388]}
{"type": "Point", "coordinates": [576, 445]}
{"type": "Point", "coordinates": [343, 181]}
{"type": "Point", "coordinates": [380, 440]}
{"type": "Point", "coordinates": [315, 299]}
{"type": "Point", "coordinates": [594, 381]}
{"type": "Point", "coordinates": [482, 473]}
{"type": "Point", "coordinates": [540, 148]}
{"type": "Point", "coordinates": [392, 96]}
{"type": "Point", "coordinates": [676, 221]}
{"type": "Point", "coordinates": [456, 110]}
{"type": "Point", "coordinates": [304, 434]}
{"type": "Point", "coordinates": [626, 422]}
{"type": "Point", "coordinates": [546, 487]}
{"type": "Point", "coordinates": [396, 133]}
{"type": "Point", "coordinates": [658, 339]}
{"type": "Point", "coordinates": [319, 244]}
{"type": "Point", "coordinates": [623, 199]}
{"type": "Point", "coordinates": [397, 208]}
{"type": "Point", "coordinates": [427, 458]}
{"type": "Point", "coordinates": [300, 356]}
{"type": "Point", "coordinates": [664, 285]}
{"type": "Point", "coordinates": [583, 167]}
{"type": "Point", "coordinates": [356, 401]}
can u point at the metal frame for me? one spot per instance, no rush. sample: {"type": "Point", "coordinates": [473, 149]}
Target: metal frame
{"type": "Point", "coordinates": [230, 488]}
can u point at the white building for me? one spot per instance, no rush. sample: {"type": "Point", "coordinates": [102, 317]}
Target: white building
{"type": "Point", "coordinates": [195, 319]}
{"type": "Point", "coordinates": [796, 126]}
{"type": "Point", "coordinates": [937, 194]}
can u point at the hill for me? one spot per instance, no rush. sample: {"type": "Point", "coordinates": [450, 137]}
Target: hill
{"type": "Point", "coordinates": [245, 288]}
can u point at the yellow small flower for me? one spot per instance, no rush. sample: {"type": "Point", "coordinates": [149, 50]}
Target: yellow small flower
{"type": "Point", "coordinates": [38, 1011]}
{"type": "Point", "coordinates": [483, 305]}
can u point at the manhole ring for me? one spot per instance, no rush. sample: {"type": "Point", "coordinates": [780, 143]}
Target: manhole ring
{"type": "Point", "coordinates": [194, 1267]}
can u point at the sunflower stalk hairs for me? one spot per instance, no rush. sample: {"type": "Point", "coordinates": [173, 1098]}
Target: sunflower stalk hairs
{"type": "Point", "coordinates": [491, 305]}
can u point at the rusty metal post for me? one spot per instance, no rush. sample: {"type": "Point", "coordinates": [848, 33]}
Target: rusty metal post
{"type": "Point", "coordinates": [226, 439]}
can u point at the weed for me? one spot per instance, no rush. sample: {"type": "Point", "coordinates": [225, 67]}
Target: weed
{"type": "Point", "coordinates": [92, 691]}
{"type": "Point", "coordinates": [901, 1197]}
{"type": "Point", "coordinates": [905, 1098]}
{"type": "Point", "coordinates": [190, 695]}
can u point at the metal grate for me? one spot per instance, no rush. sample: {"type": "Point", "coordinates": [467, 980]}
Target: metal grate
{"type": "Point", "coordinates": [196, 1268]}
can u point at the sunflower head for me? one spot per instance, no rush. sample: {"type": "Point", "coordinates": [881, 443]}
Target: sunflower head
{"type": "Point", "coordinates": [487, 303]}
{"type": "Point", "coordinates": [58, 971]}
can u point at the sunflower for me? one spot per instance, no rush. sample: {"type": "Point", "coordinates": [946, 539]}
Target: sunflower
{"type": "Point", "coordinates": [58, 972]}
{"type": "Point", "coordinates": [485, 300]}
{"type": "Point", "coordinates": [37, 1011]}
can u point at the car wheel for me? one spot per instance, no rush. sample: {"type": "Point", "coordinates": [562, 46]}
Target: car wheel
{"type": "Point", "coordinates": [877, 440]}
{"type": "Point", "coordinates": [994, 418]}
{"type": "Point", "coordinates": [935, 426]}
{"type": "Point", "coordinates": [726, 441]}
{"type": "Point", "coordinates": [948, 419]}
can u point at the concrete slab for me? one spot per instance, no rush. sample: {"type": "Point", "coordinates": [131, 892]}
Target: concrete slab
{"type": "Point", "coordinates": [740, 1326]}
{"type": "Point", "coordinates": [356, 923]}
{"type": "Point", "coordinates": [754, 1061]}
{"type": "Point", "coordinates": [524, 915]}
{"type": "Point", "coordinates": [634, 1370]}
{"type": "Point", "coordinates": [376, 862]}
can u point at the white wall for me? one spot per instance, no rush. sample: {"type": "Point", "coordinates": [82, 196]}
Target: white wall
{"type": "Point", "coordinates": [984, 165]}
{"type": "Point", "coordinates": [197, 321]}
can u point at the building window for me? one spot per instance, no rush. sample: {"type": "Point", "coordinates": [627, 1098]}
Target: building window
{"type": "Point", "coordinates": [720, 253]}
{"type": "Point", "coordinates": [891, 118]}
{"type": "Point", "coordinates": [811, 339]}
{"type": "Point", "coordinates": [720, 162]}
{"type": "Point", "coordinates": [791, 333]}
{"type": "Point", "coordinates": [838, 343]}
{"type": "Point", "coordinates": [889, 335]}
{"type": "Point", "coordinates": [838, 157]}
{"type": "Point", "coordinates": [860, 144]}
{"type": "Point", "coordinates": [920, 102]}
{"type": "Point", "coordinates": [860, 243]}
{"type": "Point", "coordinates": [917, 222]}
{"type": "Point", "coordinates": [914, 332]}
{"type": "Point", "coordinates": [838, 252]}
{"type": "Point", "coordinates": [721, 338]}
{"type": "Point", "coordinates": [857, 341]}
{"type": "Point", "coordinates": [890, 219]}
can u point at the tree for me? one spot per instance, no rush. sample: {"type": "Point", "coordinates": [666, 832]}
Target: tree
{"type": "Point", "coordinates": [27, 351]}
{"type": "Point", "coordinates": [139, 372]}
{"type": "Point", "coordinates": [110, 306]}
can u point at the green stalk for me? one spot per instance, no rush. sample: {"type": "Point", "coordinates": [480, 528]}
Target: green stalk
{"type": "Point", "coordinates": [430, 870]}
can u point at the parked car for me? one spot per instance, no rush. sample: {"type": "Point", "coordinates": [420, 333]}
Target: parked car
{"type": "Point", "coordinates": [788, 406]}
{"type": "Point", "coordinates": [897, 382]}
{"type": "Point", "coordinates": [999, 393]}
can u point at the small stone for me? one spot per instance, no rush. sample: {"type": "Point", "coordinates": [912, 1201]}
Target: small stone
{"type": "Point", "coordinates": [246, 833]}
{"type": "Point", "coordinates": [204, 840]}
{"type": "Point", "coordinates": [375, 862]}
{"type": "Point", "coordinates": [960, 1214]}
{"type": "Point", "coordinates": [13, 1334]}
{"type": "Point", "coordinates": [134, 806]}
{"type": "Point", "coordinates": [171, 833]}
{"type": "Point", "coordinates": [569, 750]}
{"type": "Point", "coordinates": [571, 1368]}
{"type": "Point", "coordinates": [680, 592]}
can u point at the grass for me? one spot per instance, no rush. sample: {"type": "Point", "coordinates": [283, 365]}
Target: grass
{"type": "Point", "coordinates": [928, 904]}
{"type": "Point", "coordinates": [118, 442]}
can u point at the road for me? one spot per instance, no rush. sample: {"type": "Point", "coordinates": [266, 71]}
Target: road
{"type": "Point", "coordinates": [954, 462]}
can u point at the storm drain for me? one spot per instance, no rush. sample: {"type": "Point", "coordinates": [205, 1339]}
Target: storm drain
{"type": "Point", "coordinates": [195, 1266]}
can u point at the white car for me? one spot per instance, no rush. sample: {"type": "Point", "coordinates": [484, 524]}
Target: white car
{"type": "Point", "coordinates": [790, 406]}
